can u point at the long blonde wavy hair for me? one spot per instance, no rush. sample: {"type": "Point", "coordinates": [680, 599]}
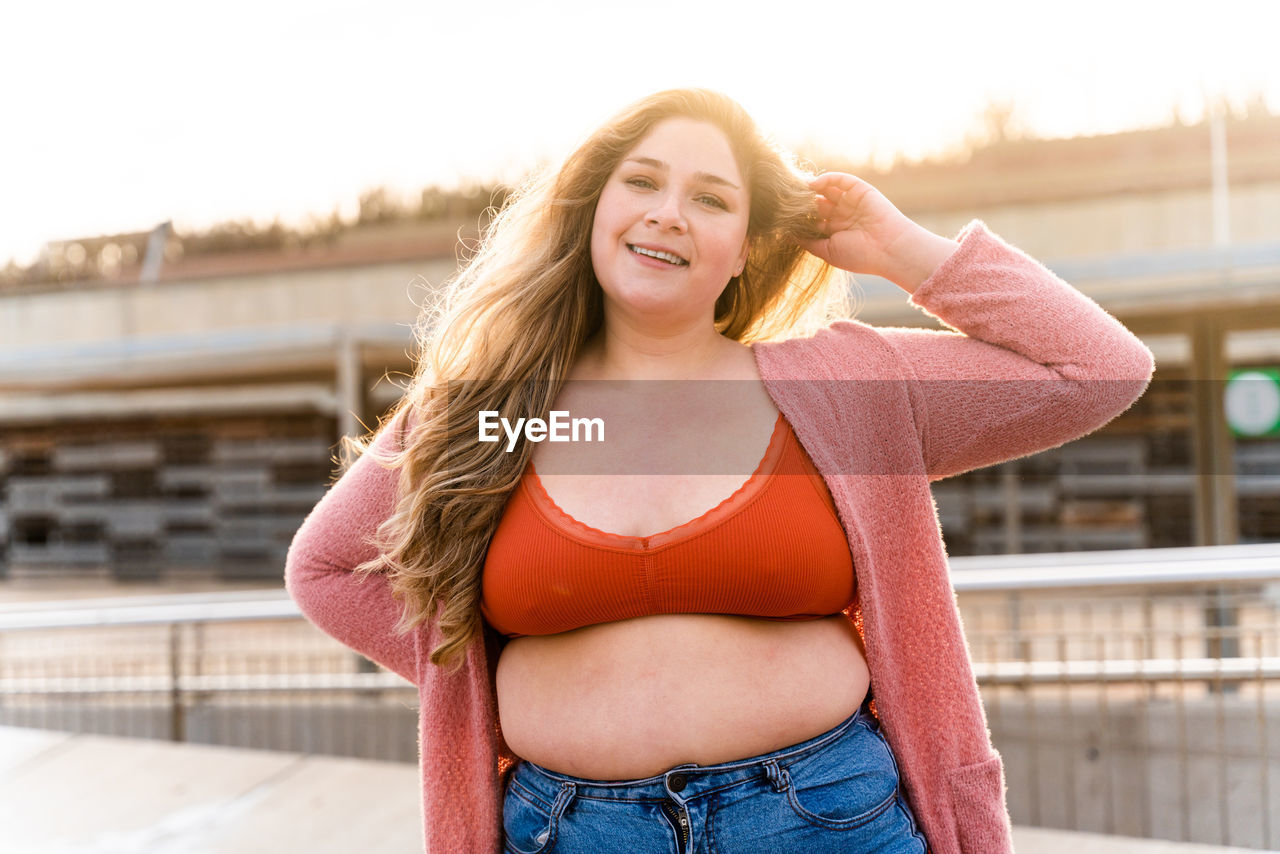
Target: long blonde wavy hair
{"type": "Point", "coordinates": [510, 324]}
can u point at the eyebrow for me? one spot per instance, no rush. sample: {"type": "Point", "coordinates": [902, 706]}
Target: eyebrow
{"type": "Point", "coordinates": [705, 177]}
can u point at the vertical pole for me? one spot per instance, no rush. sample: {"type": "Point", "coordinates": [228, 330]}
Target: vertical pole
{"type": "Point", "coordinates": [350, 385]}
{"type": "Point", "coordinates": [1264, 767]}
{"type": "Point", "coordinates": [154, 258]}
{"type": "Point", "coordinates": [1221, 188]}
{"type": "Point", "coordinates": [177, 725]}
{"type": "Point", "coordinates": [1216, 522]}
{"type": "Point", "coordinates": [1012, 508]}
{"type": "Point", "coordinates": [1184, 775]}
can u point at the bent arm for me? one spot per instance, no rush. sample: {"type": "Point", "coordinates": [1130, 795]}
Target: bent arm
{"type": "Point", "coordinates": [356, 609]}
{"type": "Point", "coordinates": [917, 257]}
{"type": "Point", "coordinates": [1033, 362]}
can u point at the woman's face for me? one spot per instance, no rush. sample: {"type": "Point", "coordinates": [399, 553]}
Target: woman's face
{"type": "Point", "coordinates": [670, 228]}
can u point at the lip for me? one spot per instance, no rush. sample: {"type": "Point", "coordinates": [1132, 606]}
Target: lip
{"type": "Point", "coordinates": [653, 247]}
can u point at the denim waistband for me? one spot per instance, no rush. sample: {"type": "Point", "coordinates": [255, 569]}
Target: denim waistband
{"type": "Point", "coordinates": [690, 779]}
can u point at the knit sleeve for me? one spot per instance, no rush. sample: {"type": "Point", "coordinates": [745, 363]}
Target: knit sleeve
{"type": "Point", "coordinates": [357, 609]}
{"type": "Point", "coordinates": [1031, 362]}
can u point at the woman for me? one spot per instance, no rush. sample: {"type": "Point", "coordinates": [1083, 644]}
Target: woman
{"type": "Point", "coordinates": [680, 659]}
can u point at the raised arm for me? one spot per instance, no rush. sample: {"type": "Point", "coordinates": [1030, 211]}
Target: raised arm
{"type": "Point", "coordinates": [1033, 362]}
{"type": "Point", "coordinates": [356, 609]}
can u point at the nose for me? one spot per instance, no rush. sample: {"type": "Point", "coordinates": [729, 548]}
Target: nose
{"type": "Point", "coordinates": [667, 212]}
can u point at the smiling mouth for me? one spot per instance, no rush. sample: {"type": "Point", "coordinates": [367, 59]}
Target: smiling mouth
{"type": "Point", "coordinates": [669, 257]}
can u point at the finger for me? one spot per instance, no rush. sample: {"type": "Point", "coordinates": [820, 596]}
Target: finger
{"type": "Point", "coordinates": [829, 196]}
{"type": "Point", "coordinates": [837, 182]}
{"type": "Point", "coordinates": [852, 199]}
{"type": "Point", "coordinates": [814, 247]}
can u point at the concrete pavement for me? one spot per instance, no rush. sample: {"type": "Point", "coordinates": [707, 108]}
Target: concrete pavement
{"type": "Point", "coordinates": [62, 793]}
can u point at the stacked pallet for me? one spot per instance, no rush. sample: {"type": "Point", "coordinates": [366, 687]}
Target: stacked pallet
{"type": "Point", "coordinates": [4, 511]}
{"type": "Point", "coordinates": [1087, 495]}
{"type": "Point", "coordinates": [1257, 482]}
{"type": "Point", "coordinates": [146, 500]}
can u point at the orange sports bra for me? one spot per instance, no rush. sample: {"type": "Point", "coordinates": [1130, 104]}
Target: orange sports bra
{"type": "Point", "coordinates": [774, 549]}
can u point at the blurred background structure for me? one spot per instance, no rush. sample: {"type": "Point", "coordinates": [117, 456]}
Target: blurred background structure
{"type": "Point", "coordinates": [169, 417]}
{"type": "Point", "coordinates": [169, 402]}
{"type": "Point", "coordinates": [171, 399]}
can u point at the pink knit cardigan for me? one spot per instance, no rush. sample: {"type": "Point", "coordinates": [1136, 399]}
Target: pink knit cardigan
{"type": "Point", "coordinates": [882, 412]}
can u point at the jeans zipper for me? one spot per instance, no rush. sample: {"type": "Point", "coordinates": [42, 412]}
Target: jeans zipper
{"type": "Point", "coordinates": [682, 821]}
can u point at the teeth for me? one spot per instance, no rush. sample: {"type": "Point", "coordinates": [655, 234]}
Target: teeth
{"type": "Point", "coordinates": [661, 256]}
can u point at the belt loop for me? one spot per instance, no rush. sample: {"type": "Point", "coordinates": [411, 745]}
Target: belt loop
{"type": "Point", "coordinates": [568, 793]}
{"type": "Point", "coordinates": [778, 778]}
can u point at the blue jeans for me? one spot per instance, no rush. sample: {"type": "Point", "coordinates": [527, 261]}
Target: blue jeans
{"type": "Point", "coordinates": [837, 791]}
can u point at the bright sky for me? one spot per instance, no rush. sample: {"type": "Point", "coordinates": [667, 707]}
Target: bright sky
{"type": "Point", "coordinates": [120, 115]}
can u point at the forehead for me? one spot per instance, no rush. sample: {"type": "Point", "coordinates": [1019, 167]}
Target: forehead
{"type": "Point", "coordinates": [689, 145]}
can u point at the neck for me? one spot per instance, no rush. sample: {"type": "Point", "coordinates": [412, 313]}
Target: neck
{"type": "Point", "coordinates": [623, 352]}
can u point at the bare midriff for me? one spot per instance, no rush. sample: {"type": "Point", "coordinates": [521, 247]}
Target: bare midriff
{"type": "Point", "coordinates": [633, 698]}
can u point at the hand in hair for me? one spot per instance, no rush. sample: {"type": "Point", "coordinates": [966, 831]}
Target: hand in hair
{"type": "Point", "coordinates": [867, 234]}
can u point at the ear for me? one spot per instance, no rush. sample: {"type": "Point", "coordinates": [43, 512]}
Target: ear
{"type": "Point", "coordinates": [742, 256]}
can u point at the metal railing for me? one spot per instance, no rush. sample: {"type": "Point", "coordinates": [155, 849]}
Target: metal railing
{"type": "Point", "coordinates": [1134, 693]}
{"type": "Point", "coordinates": [237, 669]}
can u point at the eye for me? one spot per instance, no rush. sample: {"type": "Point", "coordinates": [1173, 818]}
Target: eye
{"type": "Point", "coordinates": [714, 201]}
{"type": "Point", "coordinates": [640, 181]}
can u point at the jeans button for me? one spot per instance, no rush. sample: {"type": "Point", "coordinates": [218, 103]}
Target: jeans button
{"type": "Point", "coordinates": [676, 782]}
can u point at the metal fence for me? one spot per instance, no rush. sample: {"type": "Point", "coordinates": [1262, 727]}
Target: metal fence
{"type": "Point", "coordinates": [1133, 693]}
{"type": "Point", "coordinates": [238, 669]}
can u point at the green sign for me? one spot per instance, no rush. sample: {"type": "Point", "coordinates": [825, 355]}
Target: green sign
{"type": "Point", "coordinates": [1253, 402]}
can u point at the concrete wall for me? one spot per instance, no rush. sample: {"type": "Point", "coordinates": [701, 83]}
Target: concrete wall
{"type": "Point", "coordinates": [1155, 769]}
{"type": "Point", "coordinates": [352, 295]}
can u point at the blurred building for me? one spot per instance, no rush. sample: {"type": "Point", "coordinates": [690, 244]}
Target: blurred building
{"type": "Point", "coordinates": [166, 412]}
